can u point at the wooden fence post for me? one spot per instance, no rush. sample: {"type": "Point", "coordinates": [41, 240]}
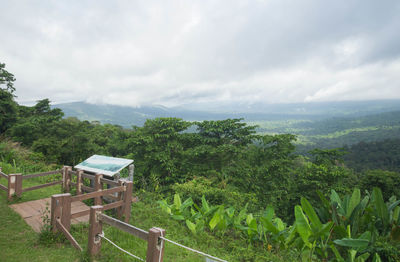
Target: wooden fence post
{"type": "Point", "coordinates": [18, 185]}
{"type": "Point", "coordinates": [66, 179]}
{"type": "Point", "coordinates": [56, 210]}
{"type": "Point", "coordinates": [121, 208]}
{"type": "Point", "coordinates": [128, 200]}
{"type": "Point", "coordinates": [79, 182]}
{"type": "Point", "coordinates": [14, 185]}
{"type": "Point", "coordinates": [131, 172]}
{"type": "Point", "coordinates": [95, 228]}
{"type": "Point", "coordinates": [97, 187]}
{"type": "Point", "coordinates": [66, 211]}
{"type": "Point", "coordinates": [155, 247]}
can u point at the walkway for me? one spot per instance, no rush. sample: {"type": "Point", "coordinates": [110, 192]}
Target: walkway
{"type": "Point", "coordinates": [34, 211]}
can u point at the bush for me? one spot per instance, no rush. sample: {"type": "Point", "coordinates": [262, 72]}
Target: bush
{"type": "Point", "coordinates": [216, 193]}
{"type": "Point", "coordinates": [388, 181]}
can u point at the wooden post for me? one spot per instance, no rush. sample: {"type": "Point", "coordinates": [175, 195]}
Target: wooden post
{"type": "Point", "coordinates": [56, 210]}
{"type": "Point", "coordinates": [18, 185]}
{"type": "Point", "coordinates": [155, 246]}
{"type": "Point", "coordinates": [66, 179]}
{"type": "Point", "coordinates": [131, 171]}
{"type": "Point", "coordinates": [14, 185]}
{"type": "Point", "coordinates": [66, 211]}
{"type": "Point", "coordinates": [79, 182]}
{"type": "Point", "coordinates": [97, 187]}
{"type": "Point", "coordinates": [128, 200]}
{"type": "Point", "coordinates": [121, 208]}
{"type": "Point", "coordinates": [95, 228]}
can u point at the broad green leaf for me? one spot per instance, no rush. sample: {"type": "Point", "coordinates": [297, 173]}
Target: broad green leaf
{"type": "Point", "coordinates": [178, 217]}
{"type": "Point", "coordinates": [191, 226]}
{"type": "Point", "coordinates": [324, 200]}
{"type": "Point", "coordinates": [302, 225]}
{"type": "Point", "coordinates": [253, 225]}
{"type": "Point", "coordinates": [393, 205]}
{"type": "Point", "coordinates": [164, 206]}
{"type": "Point", "coordinates": [249, 218]}
{"type": "Point", "coordinates": [396, 213]}
{"type": "Point", "coordinates": [269, 226]}
{"type": "Point", "coordinates": [230, 212]}
{"type": "Point", "coordinates": [188, 202]}
{"type": "Point", "coordinates": [366, 235]}
{"type": "Point", "coordinates": [381, 208]}
{"type": "Point", "coordinates": [292, 234]}
{"type": "Point", "coordinates": [204, 204]}
{"type": "Point", "coordinates": [279, 224]}
{"type": "Point", "coordinates": [354, 201]}
{"type": "Point", "coordinates": [309, 210]}
{"type": "Point", "coordinates": [353, 254]}
{"type": "Point", "coordinates": [269, 213]}
{"type": "Point", "coordinates": [242, 215]}
{"type": "Point", "coordinates": [325, 229]}
{"type": "Point", "coordinates": [215, 220]}
{"type": "Point", "coordinates": [177, 201]}
{"type": "Point", "coordinates": [339, 258]}
{"type": "Point", "coordinates": [351, 242]}
{"type": "Point", "coordinates": [362, 258]}
{"type": "Point", "coordinates": [336, 199]}
{"type": "Point", "coordinates": [376, 258]}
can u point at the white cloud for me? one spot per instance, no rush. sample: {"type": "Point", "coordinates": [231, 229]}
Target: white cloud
{"type": "Point", "coordinates": [173, 53]}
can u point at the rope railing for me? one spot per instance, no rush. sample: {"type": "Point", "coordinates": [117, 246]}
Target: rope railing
{"type": "Point", "coordinates": [162, 245]}
{"type": "Point", "coordinates": [121, 249]}
{"type": "Point", "coordinates": [192, 250]}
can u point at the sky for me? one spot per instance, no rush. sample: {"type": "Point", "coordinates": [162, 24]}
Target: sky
{"type": "Point", "coordinates": [180, 53]}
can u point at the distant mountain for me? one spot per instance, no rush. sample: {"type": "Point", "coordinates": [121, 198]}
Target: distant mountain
{"type": "Point", "coordinates": [128, 116]}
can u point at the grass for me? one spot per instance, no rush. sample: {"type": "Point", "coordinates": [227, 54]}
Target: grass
{"type": "Point", "coordinates": [18, 242]}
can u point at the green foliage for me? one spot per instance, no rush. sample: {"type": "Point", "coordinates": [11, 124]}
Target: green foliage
{"type": "Point", "coordinates": [217, 192]}
{"type": "Point", "coordinates": [6, 78]}
{"type": "Point", "coordinates": [8, 107]}
{"type": "Point", "coordinates": [382, 154]}
{"type": "Point", "coordinates": [388, 181]}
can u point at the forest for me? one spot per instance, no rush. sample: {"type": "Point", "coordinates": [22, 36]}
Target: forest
{"type": "Point", "coordinates": [225, 178]}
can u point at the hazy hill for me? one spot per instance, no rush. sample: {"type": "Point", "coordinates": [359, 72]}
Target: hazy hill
{"type": "Point", "coordinates": [324, 125]}
{"type": "Point", "coordinates": [128, 116]}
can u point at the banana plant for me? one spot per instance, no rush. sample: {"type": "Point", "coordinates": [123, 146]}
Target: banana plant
{"type": "Point", "coordinates": [355, 245]}
{"type": "Point", "coordinates": [343, 212]}
{"type": "Point", "coordinates": [177, 210]}
{"type": "Point", "coordinates": [275, 231]}
{"type": "Point", "coordinates": [314, 234]}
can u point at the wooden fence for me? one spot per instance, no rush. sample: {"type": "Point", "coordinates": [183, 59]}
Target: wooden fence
{"type": "Point", "coordinates": [15, 182]}
{"type": "Point", "coordinates": [61, 203]}
{"type": "Point", "coordinates": [155, 247]}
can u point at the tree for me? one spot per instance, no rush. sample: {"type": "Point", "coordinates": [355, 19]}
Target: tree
{"type": "Point", "coordinates": [8, 107]}
{"type": "Point", "coordinates": [6, 78]}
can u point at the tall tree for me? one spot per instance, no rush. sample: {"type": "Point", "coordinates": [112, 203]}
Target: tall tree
{"type": "Point", "coordinates": [8, 107]}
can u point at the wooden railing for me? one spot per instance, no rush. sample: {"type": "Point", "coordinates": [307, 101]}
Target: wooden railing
{"type": "Point", "coordinates": [15, 182]}
{"type": "Point", "coordinates": [2, 187]}
{"type": "Point", "coordinates": [155, 247]}
{"type": "Point", "coordinates": [61, 215]}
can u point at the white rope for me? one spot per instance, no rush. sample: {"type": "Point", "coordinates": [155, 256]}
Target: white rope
{"type": "Point", "coordinates": [162, 243]}
{"type": "Point", "coordinates": [193, 250]}
{"type": "Point", "coordinates": [132, 255]}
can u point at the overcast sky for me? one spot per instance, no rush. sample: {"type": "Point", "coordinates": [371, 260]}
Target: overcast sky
{"type": "Point", "coordinates": [186, 52]}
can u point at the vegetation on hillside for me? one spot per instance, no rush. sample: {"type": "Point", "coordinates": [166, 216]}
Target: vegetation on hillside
{"type": "Point", "coordinates": [240, 185]}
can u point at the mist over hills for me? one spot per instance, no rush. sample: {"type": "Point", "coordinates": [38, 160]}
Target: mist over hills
{"type": "Point", "coordinates": [128, 116]}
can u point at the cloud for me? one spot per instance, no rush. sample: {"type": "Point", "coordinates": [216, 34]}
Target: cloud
{"type": "Point", "coordinates": [175, 53]}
